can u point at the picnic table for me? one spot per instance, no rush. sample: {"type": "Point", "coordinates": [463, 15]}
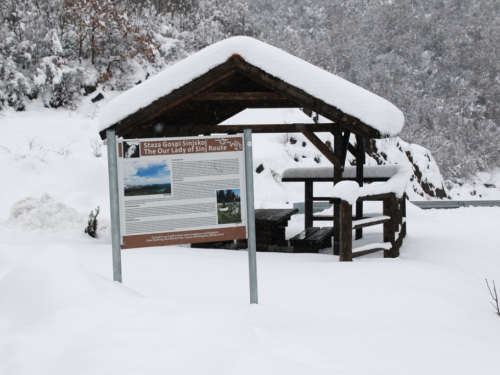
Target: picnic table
{"type": "Point", "coordinates": [314, 238]}
{"type": "Point", "coordinates": [270, 226]}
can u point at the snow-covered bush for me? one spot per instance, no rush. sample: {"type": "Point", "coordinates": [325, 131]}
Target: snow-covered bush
{"type": "Point", "coordinates": [45, 214]}
{"type": "Point", "coordinates": [59, 83]}
{"type": "Point", "coordinates": [14, 86]}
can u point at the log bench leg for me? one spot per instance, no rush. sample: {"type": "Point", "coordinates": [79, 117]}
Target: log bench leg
{"type": "Point", "coordinates": [308, 204]}
{"type": "Point", "coordinates": [359, 216]}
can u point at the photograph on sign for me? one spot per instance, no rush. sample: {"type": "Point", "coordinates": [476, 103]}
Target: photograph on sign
{"type": "Point", "coordinates": [228, 206]}
{"type": "Point", "coordinates": [131, 149]}
{"type": "Point", "coordinates": [141, 177]}
{"type": "Point", "coordinates": [181, 190]}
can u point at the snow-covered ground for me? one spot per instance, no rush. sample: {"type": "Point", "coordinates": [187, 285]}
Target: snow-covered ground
{"type": "Point", "coordinates": [186, 311]}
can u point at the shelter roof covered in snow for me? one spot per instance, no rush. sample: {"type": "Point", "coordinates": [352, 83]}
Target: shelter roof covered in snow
{"type": "Point", "coordinates": [198, 93]}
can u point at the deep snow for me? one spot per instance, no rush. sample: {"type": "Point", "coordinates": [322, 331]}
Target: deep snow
{"type": "Point", "coordinates": [186, 311]}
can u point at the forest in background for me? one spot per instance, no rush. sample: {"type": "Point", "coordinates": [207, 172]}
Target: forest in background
{"type": "Point", "coordinates": [437, 60]}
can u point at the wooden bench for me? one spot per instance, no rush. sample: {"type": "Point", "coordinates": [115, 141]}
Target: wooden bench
{"type": "Point", "coordinates": [312, 239]}
{"type": "Point", "coordinates": [270, 228]}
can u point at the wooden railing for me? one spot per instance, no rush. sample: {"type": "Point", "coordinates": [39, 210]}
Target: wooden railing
{"type": "Point", "coordinates": [393, 220]}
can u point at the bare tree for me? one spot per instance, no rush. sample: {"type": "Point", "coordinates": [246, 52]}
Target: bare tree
{"type": "Point", "coordinates": [494, 295]}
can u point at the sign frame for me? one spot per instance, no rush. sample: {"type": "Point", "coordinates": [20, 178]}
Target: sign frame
{"type": "Point", "coordinates": [116, 175]}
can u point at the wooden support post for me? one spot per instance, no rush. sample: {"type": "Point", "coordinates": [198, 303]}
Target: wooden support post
{"type": "Point", "coordinates": [390, 208]}
{"type": "Point", "coordinates": [360, 161]}
{"type": "Point", "coordinates": [308, 204]}
{"type": "Point", "coordinates": [337, 177]}
{"type": "Point", "coordinates": [345, 232]}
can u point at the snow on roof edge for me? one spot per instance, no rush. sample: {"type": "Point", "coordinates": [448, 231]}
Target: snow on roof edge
{"type": "Point", "coordinates": [333, 90]}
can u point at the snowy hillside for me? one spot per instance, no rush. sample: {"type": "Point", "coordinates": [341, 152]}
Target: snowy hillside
{"type": "Point", "coordinates": [186, 311]}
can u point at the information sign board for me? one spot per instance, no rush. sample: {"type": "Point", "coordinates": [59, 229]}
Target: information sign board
{"type": "Point", "coordinates": [181, 190]}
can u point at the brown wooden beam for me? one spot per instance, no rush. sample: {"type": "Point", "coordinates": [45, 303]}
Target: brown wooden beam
{"type": "Point", "coordinates": [265, 104]}
{"type": "Point", "coordinates": [337, 177]}
{"type": "Point", "coordinates": [357, 254]}
{"type": "Point", "coordinates": [360, 147]}
{"type": "Point", "coordinates": [183, 131]}
{"type": "Point", "coordinates": [308, 204]}
{"type": "Point", "coordinates": [369, 224]}
{"type": "Point", "coordinates": [319, 144]}
{"type": "Point", "coordinates": [351, 149]}
{"type": "Point", "coordinates": [322, 218]}
{"type": "Point", "coordinates": [259, 128]}
{"type": "Point", "coordinates": [239, 96]}
{"type": "Point", "coordinates": [245, 99]}
{"type": "Point", "coordinates": [195, 130]}
{"type": "Point", "coordinates": [376, 197]}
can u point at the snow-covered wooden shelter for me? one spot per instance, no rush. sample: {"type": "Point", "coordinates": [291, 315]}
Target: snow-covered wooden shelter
{"type": "Point", "coordinates": [200, 92]}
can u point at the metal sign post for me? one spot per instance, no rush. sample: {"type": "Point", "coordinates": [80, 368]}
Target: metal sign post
{"type": "Point", "coordinates": [115, 206]}
{"type": "Point", "coordinates": [252, 257]}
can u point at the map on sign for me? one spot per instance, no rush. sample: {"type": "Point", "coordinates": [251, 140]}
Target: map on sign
{"type": "Point", "coordinates": [181, 190]}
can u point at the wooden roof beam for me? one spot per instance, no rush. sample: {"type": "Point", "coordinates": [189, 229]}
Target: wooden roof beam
{"type": "Point", "coordinates": [196, 130]}
{"type": "Point", "coordinates": [245, 99]}
{"type": "Point", "coordinates": [239, 96]}
{"type": "Point", "coordinates": [260, 128]}
{"type": "Point", "coordinates": [320, 145]}
{"type": "Point", "coordinates": [352, 149]}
